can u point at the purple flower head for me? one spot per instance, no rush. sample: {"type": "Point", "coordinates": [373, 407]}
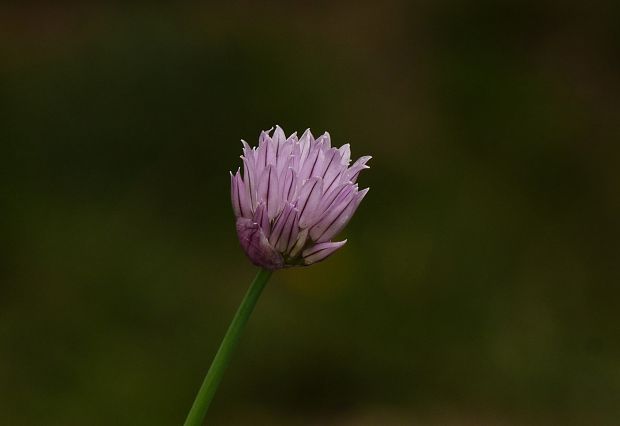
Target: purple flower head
{"type": "Point", "coordinates": [294, 196]}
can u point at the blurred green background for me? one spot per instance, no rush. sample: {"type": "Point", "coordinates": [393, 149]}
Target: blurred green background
{"type": "Point", "coordinates": [480, 282]}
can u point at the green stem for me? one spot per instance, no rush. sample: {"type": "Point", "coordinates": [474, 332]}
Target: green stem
{"type": "Point", "coordinates": [222, 357]}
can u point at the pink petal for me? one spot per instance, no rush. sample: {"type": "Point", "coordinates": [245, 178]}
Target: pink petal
{"type": "Point", "coordinates": [305, 143]}
{"type": "Point", "coordinates": [330, 217]}
{"type": "Point", "coordinates": [288, 185]}
{"type": "Point", "coordinates": [328, 231]}
{"type": "Point", "coordinates": [325, 140]}
{"type": "Point", "coordinates": [345, 151]}
{"type": "Point", "coordinates": [261, 156]}
{"type": "Point", "coordinates": [299, 243]}
{"type": "Point", "coordinates": [285, 158]}
{"type": "Point", "coordinates": [234, 195]}
{"type": "Point", "coordinates": [310, 162]}
{"type": "Point", "coordinates": [354, 171]}
{"type": "Point", "coordinates": [332, 167]}
{"type": "Point", "coordinates": [270, 152]}
{"type": "Point", "coordinates": [264, 136]}
{"type": "Point", "coordinates": [268, 191]}
{"type": "Point", "coordinates": [309, 198]}
{"type": "Point", "coordinates": [250, 182]}
{"type": "Point", "coordinates": [256, 246]}
{"type": "Point", "coordinates": [278, 136]}
{"type": "Point", "coordinates": [247, 151]}
{"type": "Point", "coordinates": [285, 227]}
{"type": "Point", "coordinates": [321, 251]}
{"type": "Point", "coordinates": [335, 197]}
{"type": "Point", "coordinates": [260, 217]}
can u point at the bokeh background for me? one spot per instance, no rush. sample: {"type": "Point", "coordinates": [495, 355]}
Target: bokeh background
{"type": "Point", "coordinates": [480, 282]}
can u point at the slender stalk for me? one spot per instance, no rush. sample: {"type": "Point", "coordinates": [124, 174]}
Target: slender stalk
{"type": "Point", "coordinates": [222, 357]}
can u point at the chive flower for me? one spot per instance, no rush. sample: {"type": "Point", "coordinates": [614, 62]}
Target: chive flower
{"type": "Point", "coordinates": [294, 196]}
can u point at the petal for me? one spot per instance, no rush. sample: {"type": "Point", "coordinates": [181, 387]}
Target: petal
{"type": "Point", "coordinates": [285, 226]}
{"type": "Point", "coordinates": [249, 162]}
{"type": "Point", "coordinates": [284, 156]}
{"type": "Point", "coordinates": [296, 154]}
{"type": "Point", "coordinates": [270, 152]}
{"type": "Point", "coordinates": [345, 150]}
{"type": "Point", "coordinates": [247, 151]}
{"type": "Point", "coordinates": [325, 140]}
{"type": "Point", "coordinates": [264, 136]}
{"type": "Point", "coordinates": [279, 223]}
{"type": "Point", "coordinates": [268, 191]}
{"type": "Point", "coordinates": [305, 142]}
{"type": "Point", "coordinates": [309, 199]}
{"type": "Point", "coordinates": [310, 163]}
{"type": "Point", "coordinates": [260, 217]}
{"type": "Point", "coordinates": [241, 194]}
{"type": "Point", "coordinates": [261, 156]}
{"type": "Point", "coordinates": [332, 214]}
{"type": "Point", "coordinates": [250, 182]}
{"type": "Point", "coordinates": [292, 229]}
{"type": "Point", "coordinates": [328, 231]}
{"type": "Point", "coordinates": [288, 185]}
{"type": "Point", "coordinates": [354, 171]}
{"type": "Point", "coordinates": [278, 136]}
{"type": "Point", "coordinates": [335, 197]}
{"type": "Point", "coordinates": [321, 251]}
{"type": "Point", "coordinates": [293, 138]}
{"type": "Point", "coordinates": [332, 167]}
{"type": "Point", "coordinates": [299, 243]}
{"type": "Point", "coordinates": [256, 246]}
{"type": "Point", "coordinates": [234, 194]}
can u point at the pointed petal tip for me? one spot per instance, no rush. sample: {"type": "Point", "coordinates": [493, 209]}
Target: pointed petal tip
{"type": "Point", "coordinates": [321, 251]}
{"type": "Point", "coordinates": [360, 195]}
{"type": "Point", "coordinates": [308, 134]}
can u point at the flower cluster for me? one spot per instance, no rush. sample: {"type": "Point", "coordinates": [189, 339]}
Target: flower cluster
{"type": "Point", "coordinates": [294, 196]}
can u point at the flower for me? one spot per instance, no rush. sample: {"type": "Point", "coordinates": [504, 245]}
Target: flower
{"type": "Point", "coordinates": [294, 197]}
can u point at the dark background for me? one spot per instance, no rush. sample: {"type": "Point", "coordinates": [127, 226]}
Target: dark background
{"type": "Point", "coordinates": [480, 282]}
